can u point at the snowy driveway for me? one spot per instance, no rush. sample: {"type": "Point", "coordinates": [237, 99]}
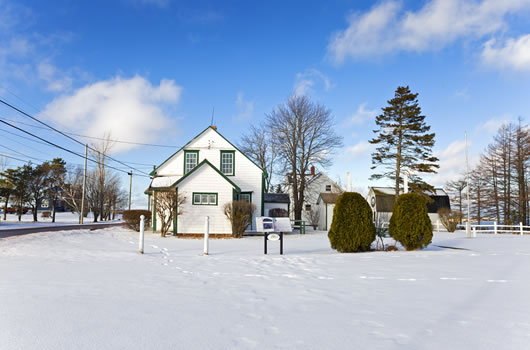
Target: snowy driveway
{"type": "Point", "coordinates": [91, 290]}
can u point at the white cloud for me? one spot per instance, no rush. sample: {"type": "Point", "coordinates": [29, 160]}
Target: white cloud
{"type": "Point", "coordinates": [493, 125]}
{"type": "Point", "coordinates": [305, 81]}
{"type": "Point", "coordinates": [244, 108]}
{"type": "Point", "coordinates": [362, 114]}
{"type": "Point", "coordinates": [452, 162]}
{"type": "Point", "coordinates": [387, 27]}
{"type": "Point", "coordinates": [513, 53]}
{"type": "Point", "coordinates": [361, 148]}
{"type": "Point", "coordinates": [127, 109]}
{"type": "Point", "coordinates": [56, 81]}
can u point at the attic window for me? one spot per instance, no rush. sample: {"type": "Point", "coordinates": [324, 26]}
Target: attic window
{"type": "Point", "coordinates": [227, 162]}
{"type": "Point", "coordinates": [328, 188]}
{"type": "Point", "coordinates": [191, 159]}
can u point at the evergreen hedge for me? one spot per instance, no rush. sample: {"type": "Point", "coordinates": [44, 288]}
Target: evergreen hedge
{"type": "Point", "coordinates": [410, 224]}
{"type": "Point", "coordinates": [352, 228]}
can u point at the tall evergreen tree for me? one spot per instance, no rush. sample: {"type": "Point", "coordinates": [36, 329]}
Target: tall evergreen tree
{"type": "Point", "coordinates": [404, 144]}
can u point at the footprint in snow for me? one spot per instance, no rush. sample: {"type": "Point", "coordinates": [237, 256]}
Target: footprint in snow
{"type": "Point", "coordinates": [154, 246]}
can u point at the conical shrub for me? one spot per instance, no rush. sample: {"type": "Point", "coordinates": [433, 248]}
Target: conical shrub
{"type": "Point", "coordinates": [410, 224]}
{"type": "Point", "coordinates": [352, 228]}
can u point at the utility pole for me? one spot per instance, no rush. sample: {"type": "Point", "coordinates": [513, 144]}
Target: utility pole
{"type": "Point", "coordinates": [130, 187]}
{"type": "Point", "coordinates": [81, 216]}
{"type": "Point", "coordinates": [468, 224]}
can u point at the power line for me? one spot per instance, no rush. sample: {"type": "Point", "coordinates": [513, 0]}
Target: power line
{"type": "Point", "coordinates": [64, 149]}
{"type": "Point", "coordinates": [62, 133]}
{"type": "Point", "coordinates": [96, 138]}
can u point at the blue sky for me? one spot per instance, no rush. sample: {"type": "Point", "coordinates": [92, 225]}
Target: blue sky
{"type": "Point", "coordinates": [151, 71]}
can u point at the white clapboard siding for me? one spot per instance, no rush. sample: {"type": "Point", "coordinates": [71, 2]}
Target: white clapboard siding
{"type": "Point", "coordinates": [248, 177]}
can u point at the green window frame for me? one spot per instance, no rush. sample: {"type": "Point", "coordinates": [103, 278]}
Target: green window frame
{"type": "Point", "coordinates": [245, 196]}
{"type": "Point", "coordinates": [190, 162]}
{"type": "Point", "coordinates": [204, 198]}
{"type": "Point", "coordinates": [228, 163]}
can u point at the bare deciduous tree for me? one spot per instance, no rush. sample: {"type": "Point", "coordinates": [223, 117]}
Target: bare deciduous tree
{"type": "Point", "coordinates": [455, 188]}
{"type": "Point", "coordinates": [314, 217]}
{"type": "Point", "coordinates": [168, 205]}
{"type": "Point", "coordinates": [304, 136]}
{"type": "Point", "coordinates": [258, 145]}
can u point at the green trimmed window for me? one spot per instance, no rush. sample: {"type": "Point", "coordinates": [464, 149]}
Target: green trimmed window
{"type": "Point", "coordinates": [204, 198]}
{"type": "Point", "coordinates": [228, 162]}
{"type": "Point", "coordinates": [245, 196]}
{"type": "Point", "coordinates": [191, 159]}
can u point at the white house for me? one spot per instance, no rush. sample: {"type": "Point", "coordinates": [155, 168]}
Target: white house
{"type": "Point", "coordinates": [276, 201]}
{"type": "Point", "coordinates": [326, 203]}
{"type": "Point", "coordinates": [208, 171]}
{"type": "Point", "coordinates": [316, 183]}
{"type": "Point", "coordinates": [381, 199]}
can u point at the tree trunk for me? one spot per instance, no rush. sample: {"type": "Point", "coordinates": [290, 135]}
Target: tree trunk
{"type": "Point", "coordinates": [5, 207]}
{"type": "Point", "coordinates": [53, 208]}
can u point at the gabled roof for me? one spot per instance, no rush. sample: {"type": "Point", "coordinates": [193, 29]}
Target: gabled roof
{"type": "Point", "coordinates": [328, 197]}
{"type": "Point", "coordinates": [153, 173]}
{"type": "Point", "coordinates": [384, 199]}
{"type": "Point", "coordinates": [189, 173]}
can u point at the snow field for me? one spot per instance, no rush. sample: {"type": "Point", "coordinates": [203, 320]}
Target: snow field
{"type": "Point", "coordinates": [92, 290]}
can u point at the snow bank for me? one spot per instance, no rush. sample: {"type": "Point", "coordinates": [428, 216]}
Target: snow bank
{"type": "Point", "coordinates": [91, 290]}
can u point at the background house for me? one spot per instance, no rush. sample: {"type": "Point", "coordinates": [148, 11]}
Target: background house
{"type": "Point", "coordinates": [208, 171]}
{"type": "Point", "coordinates": [381, 200]}
{"type": "Point", "coordinates": [316, 183]}
{"type": "Point", "coordinates": [276, 200]}
{"type": "Point", "coordinates": [326, 203]}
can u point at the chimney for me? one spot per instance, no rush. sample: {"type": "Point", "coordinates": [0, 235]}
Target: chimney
{"type": "Point", "coordinates": [312, 170]}
{"type": "Point", "coordinates": [348, 188]}
{"type": "Point", "coordinates": [214, 127]}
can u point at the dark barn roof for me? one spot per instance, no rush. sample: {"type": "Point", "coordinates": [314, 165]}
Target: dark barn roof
{"type": "Point", "coordinates": [276, 198]}
{"type": "Point", "coordinates": [385, 202]}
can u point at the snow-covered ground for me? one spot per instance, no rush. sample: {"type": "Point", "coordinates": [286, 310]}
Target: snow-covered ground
{"type": "Point", "coordinates": [92, 290]}
{"type": "Point", "coordinates": [66, 218]}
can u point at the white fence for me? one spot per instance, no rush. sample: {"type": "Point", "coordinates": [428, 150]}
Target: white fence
{"type": "Point", "coordinates": [497, 228]}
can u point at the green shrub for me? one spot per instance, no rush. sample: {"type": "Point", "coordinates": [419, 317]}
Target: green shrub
{"type": "Point", "coordinates": [352, 228]}
{"type": "Point", "coordinates": [132, 218]}
{"type": "Point", "coordinates": [450, 218]}
{"type": "Point", "coordinates": [410, 224]}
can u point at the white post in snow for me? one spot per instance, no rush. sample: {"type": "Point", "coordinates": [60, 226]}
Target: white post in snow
{"type": "Point", "coordinates": [521, 227]}
{"type": "Point", "coordinates": [141, 238]}
{"type": "Point", "coordinates": [438, 225]}
{"type": "Point", "coordinates": [206, 234]}
{"type": "Point", "coordinates": [474, 232]}
{"type": "Point", "coordinates": [495, 227]}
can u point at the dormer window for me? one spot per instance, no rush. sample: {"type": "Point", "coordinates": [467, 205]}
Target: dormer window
{"type": "Point", "coordinates": [191, 159]}
{"type": "Point", "coordinates": [328, 188]}
{"type": "Point", "coordinates": [228, 163]}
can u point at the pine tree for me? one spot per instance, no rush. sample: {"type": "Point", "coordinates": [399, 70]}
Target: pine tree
{"type": "Point", "coordinates": [404, 144]}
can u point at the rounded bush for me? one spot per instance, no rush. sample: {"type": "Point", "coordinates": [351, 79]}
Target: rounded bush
{"type": "Point", "coordinates": [132, 218]}
{"type": "Point", "coordinates": [410, 224]}
{"type": "Point", "coordinates": [352, 228]}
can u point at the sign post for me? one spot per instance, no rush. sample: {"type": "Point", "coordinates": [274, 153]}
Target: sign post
{"type": "Point", "coordinates": [206, 234]}
{"type": "Point", "coordinates": [273, 230]}
{"type": "Point", "coordinates": [141, 238]}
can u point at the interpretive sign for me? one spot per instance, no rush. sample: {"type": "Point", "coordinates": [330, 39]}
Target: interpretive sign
{"type": "Point", "coordinates": [273, 229]}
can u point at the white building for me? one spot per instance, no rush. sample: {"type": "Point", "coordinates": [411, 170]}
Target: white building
{"type": "Point", "coordinates": [326, 203]}
{"type": "Point", "coordinates": [381, 200]}
{"type": "Point", "coordinates": [316, 183]}
{"type": "Point", "coordinates": [208, 171]}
